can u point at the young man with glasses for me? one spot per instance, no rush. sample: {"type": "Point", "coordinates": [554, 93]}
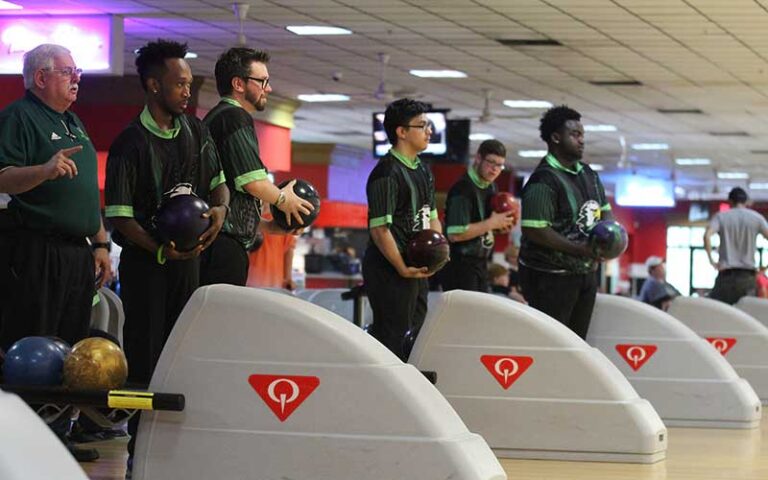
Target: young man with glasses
{"type": "Point", "coordinates": [562, 201]}
{"type": "Point", "coordinates": [401, 203]}
{"type": "Point", "coordinates": [48, 166]}
{"type": "Point", "coordinates": [242, 80]}
{"type": "Point", "coordinates": [470, 223]}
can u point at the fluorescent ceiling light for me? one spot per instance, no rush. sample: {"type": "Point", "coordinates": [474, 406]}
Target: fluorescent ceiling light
{"type": "Point", "coordinates": [9, 6]}
{"type": "Point", "coordinates": [438, 73]}
{"type": "Point", "coordinates": [758, 186]}
{"type": "Point", "coordinates": [190, 55]}
{"type": "Point", "coordinates": [693, 161]}
{"type": "Point", "coordinates": [527, 104]}
{"type": "Point", "coordinates": [479, 137]}
{"type": "Point", "coordinates": [317, 30]}
{"type": "Point", "coordinates": [679, 191]}
{"type": "Point", "coordinates": [323, 97]}
{"type": "Point", "coordinates": [596, 167]}
{"type": "Point", "coordinates": [650, 146]}
{"type": "Point", "coordinates": [531, 153]}
{"type": "Point", "coordinates": [732, 175]}
{"type": "Point", "coordinates": [600, 128]}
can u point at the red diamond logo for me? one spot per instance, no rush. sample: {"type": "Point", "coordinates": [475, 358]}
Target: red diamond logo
{"type": "Point", "coordinates": [721, 344]}
{"type": "Point", "coordinates": [283, 394]}
{"type": "Point", "coordinates": [506, 369]}
{"type": "Point", "coordinates": [636, 355]}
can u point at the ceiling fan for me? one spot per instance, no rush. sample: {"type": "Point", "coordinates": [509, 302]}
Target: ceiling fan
{"type": "Point", "coordinates": [384, 91]}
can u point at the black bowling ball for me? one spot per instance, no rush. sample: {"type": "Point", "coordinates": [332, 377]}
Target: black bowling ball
{"type": "Point", "coordinates": [306, 191]}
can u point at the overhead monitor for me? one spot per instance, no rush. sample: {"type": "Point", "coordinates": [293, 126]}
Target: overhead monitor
{"type": "Point", "coordinates": [642, 191]}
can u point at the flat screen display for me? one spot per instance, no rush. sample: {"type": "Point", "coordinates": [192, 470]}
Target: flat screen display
{"type": "Point", "coordinates": [438, 141]}
{"type": "Point", "coordinates": [641, 191]}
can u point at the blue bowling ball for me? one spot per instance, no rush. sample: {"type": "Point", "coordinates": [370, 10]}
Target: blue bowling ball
{"type": "Point", "coordinates": [63, 345]}
{"type": "Point", "coordinates": [34, 361]}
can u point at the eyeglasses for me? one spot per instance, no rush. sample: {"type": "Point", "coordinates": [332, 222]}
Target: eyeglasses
{"type": "Point", "coordinates": [425, 127]}
{"type": "Point", "coordinates": [500, 166]}
{"type": "Point", "coordinates": [264, 82]}
{"type": "Point", "coordinates": [66, 71]}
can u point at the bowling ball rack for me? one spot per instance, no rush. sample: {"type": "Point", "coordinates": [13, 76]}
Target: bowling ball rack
{"type": "Point", "coordinates": [123, 399]}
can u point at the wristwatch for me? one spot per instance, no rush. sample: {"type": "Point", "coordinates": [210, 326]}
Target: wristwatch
{"type": "Point", "coordinates": [280, 199]}
{"type": "Point", "coordinates": [105, 245]}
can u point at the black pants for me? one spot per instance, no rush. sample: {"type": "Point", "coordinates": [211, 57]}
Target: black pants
{"type": "Point", "coordinates": [225, 261]}
{"type": "Point", "coordinates": [46, 286]}
{"type": "Point", "coordinates": [153, 296]}
{"type": "Point", "coordinates": [568, 299]}
{"type": "Point", "coordinates": [399, 304]}
{"type": "Point", "coordinates": [465, 273]}
{"type": "Point", "coordinates": [732, 284]}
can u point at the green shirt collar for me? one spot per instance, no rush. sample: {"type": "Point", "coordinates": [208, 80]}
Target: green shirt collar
{"type": "Point", "coordinates": [555, 163]}
{"type": "Point", "coordinates": [151, 125]}
{"type": "Point", "coordinates": [231, 101]}
{"type": "Point", "coordinates": [408, 162]}
{"type": "Point", "coordinates": [476, 178]}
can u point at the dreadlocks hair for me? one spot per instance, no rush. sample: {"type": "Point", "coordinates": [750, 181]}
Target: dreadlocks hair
{"type": "Point", "coordinates": [399, 113]}
{"type": "Point", "coordinates": [554, 119]}
{"type": "Point", "coordinates": [150, 59]}
{"type": "Point", "coordinates": [236, 62]}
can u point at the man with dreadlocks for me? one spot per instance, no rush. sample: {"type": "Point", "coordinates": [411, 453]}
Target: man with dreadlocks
{"type": "Point", "coordinates": [161, 151]}
{"type": "Point", "coordinates": [561, 202]}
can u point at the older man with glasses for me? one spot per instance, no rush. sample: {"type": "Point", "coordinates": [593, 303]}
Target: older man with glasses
{"type": "Point", "coordinates": [48, 166]}
{"type": "Point", "coordinates": [470, 223]}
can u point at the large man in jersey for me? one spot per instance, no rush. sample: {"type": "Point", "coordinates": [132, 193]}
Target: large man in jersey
{"type": "Point", "coordinates": [242, 80]}
{"type": "Point", "coordinates": [470, 223]}
{"type": "Point", "coordinates": [162, 152]}
{"type": "Point", "coordinates": [561, 202]}
{"type": "Point", "coordinates": [401, 202]}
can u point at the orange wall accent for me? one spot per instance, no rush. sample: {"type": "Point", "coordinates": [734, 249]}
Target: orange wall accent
{"type": "Point", "coordinates": [274, 146]}
{"type": "Point", "coordinates": [317, 175]}
{"type": "Point", "coordinates": [342, 214]}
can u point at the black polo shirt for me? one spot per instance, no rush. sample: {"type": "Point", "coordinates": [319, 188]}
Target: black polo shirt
{"type": "Point", "coordinates": [401, 195]}
{"type": "Point", "coordinates": [232, 130]}
{"type": "Point", "coordinates": [30, 134]}
{"type": "Point", "coordinates": [145, 162]}
{"type": "Point", "coordinates": [571, 202]}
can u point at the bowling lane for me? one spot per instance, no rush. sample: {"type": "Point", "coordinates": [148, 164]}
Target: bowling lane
{"type": "Point", "coordinates": [693, 454]}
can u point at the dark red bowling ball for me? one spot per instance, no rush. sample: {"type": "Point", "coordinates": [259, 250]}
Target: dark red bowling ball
{"type": "Point", "coordinates": [503, 202]}
{"type": "Point", "coordinates": [428, 248]}
{"type": "Point", "coordinates": [305, 190]}
{"type": "Point", "coordinates": [180, 220]}
{"type": "Point", "coordinates": [608, 239]}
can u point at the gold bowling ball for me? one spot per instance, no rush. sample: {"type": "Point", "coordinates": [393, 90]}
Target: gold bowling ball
{"type": "Point", "coordinates": [95, 364]}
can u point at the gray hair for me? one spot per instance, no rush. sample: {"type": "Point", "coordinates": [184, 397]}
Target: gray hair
{"type": "Point", "coordinates": [40, 57]}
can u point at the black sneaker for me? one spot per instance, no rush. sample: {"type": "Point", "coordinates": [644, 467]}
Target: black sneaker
{"type": "Point", "coordinates": [83, 454]}
{"type": "Point", "coordinates": [129, 469]}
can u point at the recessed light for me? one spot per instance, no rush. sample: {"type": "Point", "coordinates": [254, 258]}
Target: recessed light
{"type": "Point", "coordinates": [317, 30]}
{"type": "Point", "coordinates": [650, 146]}
{"type": "Point", "coordinates": [479, 137]}
{"type": "Point", "coordinates": [438, 73]}
{"type": "Point", "coordinates": [190, 55]}
{"type": "Point", "coordinates": [600, 128]}
{"type": "Point", "coordinates": [531, 153]}
{"type": "Point", "coordinates": [732, 175]}
{"type": "Point", "coordinates": [758, 186]}
{"type": "Point", "coordinates": [527, 104]}
{"type": "Point", "coordinates": [9, 6]}
{"type": "Point", "coordinates": [323, 97]}
{"type": "Point", "coordinates": [596, 167]}
{"type": "Point", "coordinates": [693, 161]}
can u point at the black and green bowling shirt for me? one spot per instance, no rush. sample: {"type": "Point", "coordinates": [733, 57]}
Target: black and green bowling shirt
{"type": "Point", "coordinates": [145, 162]}
{"type": "Point", "coordinates": [30, 134]}
{"type": "Point", "coordinates": [401, 195]}
{"type": "Point", "coordinates": [468, 202]}
{"type": "Point", "coordinates": [232, 130]}
{"type": "Point", "coordinates": [570, 201]}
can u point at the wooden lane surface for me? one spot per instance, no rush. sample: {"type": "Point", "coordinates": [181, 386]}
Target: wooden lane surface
{"type": "Point", "coordinates": [694, 454]}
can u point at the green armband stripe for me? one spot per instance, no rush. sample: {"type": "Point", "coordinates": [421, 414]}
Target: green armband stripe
{"type": "Point", "coordinates": [535, 223]}
{"type": "Point", "coordinates": [95, 300]}
{"type": "Point", "coordinates": [456, 229]}
{"type": "Point", "coordinates": [432, 214]}
{"type": "Point", "coordinates": [217, 180]}
{"type": "Point", "coordinates": [606, 207]}
{"type": "Point", "coordinates": [260, 174]}
{"type": "Point", "coordinates": [379, 221]}
{"type": "Point", "coordinates": [119, 211]}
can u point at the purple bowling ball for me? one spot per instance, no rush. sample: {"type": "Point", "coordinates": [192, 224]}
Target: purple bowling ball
{"type": "Point", "coordinates": [179, 220]}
